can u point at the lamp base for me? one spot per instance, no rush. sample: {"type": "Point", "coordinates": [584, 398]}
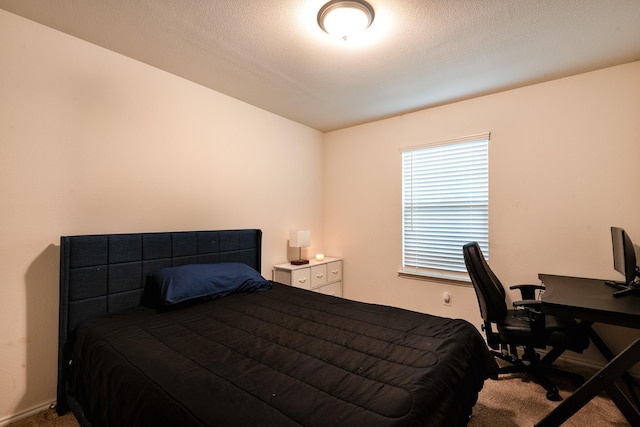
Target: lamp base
{"type": "Point", "coordinates": [300, 262]}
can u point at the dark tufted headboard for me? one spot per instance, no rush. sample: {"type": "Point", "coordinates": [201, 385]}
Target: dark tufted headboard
{"type": "Point", "coordinates": [102, 274]}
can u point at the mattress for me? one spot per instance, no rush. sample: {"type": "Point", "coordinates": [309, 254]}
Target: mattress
{"type": "Point", "coordinates": [281, 357]}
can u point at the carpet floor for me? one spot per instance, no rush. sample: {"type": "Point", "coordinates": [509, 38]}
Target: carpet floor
{"type": "Point", "coordinates": [514, 400]}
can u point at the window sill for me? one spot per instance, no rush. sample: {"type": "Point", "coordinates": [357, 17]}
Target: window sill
{"type": "Point", "coordinates": [436, 277]}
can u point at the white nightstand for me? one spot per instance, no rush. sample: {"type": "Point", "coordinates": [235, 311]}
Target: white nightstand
{"type": "Point", "coordinates": [319, 276]}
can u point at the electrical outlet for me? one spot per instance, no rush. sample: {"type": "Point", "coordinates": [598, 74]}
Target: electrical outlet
{"type": "Point", "coordinates": [446, 298]}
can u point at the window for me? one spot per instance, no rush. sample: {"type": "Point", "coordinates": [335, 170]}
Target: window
{"type": "Point", "coordinates": [445, 204]}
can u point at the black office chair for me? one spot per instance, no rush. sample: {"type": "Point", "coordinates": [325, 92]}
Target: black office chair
{"type": "Point", "coordinates": [523, 326]}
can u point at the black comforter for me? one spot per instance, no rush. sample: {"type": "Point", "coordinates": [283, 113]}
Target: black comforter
{"type": "Point", "coordinates": [281, 357]}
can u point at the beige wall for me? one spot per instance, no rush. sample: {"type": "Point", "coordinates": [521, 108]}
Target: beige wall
{"type": "Point", "coordinates": [564, 166]}
{"type": "Point", "coordinates": [94, 142]}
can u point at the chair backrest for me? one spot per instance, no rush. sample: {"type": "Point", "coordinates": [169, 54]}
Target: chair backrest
{"type": "Point", "coordinates": [489, 290]}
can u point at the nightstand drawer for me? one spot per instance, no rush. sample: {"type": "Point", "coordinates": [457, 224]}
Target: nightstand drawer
{"type": "Point", "coordinates": [318, 275]}
{"type": "Point", "coordinates": [301, 278]}
{"type": "Point", "coordinates": [333, 289]}
{"type": "Point", "coordinates": [334, 271]}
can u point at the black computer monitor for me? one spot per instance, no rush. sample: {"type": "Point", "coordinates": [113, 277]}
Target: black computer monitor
{"type": "Point", "coordinates": [624, 260]}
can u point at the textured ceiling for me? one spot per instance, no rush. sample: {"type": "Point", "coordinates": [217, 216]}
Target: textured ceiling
{"type": "Point", "coordinates": [417, 53]}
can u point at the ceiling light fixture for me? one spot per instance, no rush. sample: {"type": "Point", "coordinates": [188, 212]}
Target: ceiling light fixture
{"type": "Point", "coordinates": [345, 18]}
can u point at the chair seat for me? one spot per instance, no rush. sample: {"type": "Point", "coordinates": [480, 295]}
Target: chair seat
{"type": "Point", "coordinates": [562, 332]}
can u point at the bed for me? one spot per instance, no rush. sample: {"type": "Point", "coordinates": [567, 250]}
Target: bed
{"type": "Point", "coordinates": [135, 351]}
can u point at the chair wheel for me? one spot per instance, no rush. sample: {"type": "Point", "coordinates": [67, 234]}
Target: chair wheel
{"type": "Point", "coordinates": [553, 395]}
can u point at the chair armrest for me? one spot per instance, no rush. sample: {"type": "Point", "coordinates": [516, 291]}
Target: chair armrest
{"type": "Point", "coordinates": [527, 292]}
{"type": "Point", "coordinates": [528, 303]}
{"type": "Point", "coordinates": [529, 310]}
{"type": "Point", "coordinates": [531, 306]}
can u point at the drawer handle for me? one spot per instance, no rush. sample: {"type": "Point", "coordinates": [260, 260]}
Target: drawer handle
{"type": "Point", "coordinates": [320, 276]}
{"type": "Point", "coordinates": [302, 280]}
{"type": "Point", "coordinates": [335, 271]}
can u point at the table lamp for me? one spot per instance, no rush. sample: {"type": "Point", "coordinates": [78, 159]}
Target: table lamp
{"type": "Point", "coordinates": [300, 239]}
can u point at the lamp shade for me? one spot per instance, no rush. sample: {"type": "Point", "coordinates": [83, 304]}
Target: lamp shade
{"type": "Point", "coordinates": [300, 238]}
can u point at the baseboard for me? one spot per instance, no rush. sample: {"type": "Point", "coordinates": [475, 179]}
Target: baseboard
{"type": "Point", "coordinates": [634, 372]}
{"type": "Point", "coordinates": [580, 362]}
{"type": "Point", "coordinates": [24, 414]}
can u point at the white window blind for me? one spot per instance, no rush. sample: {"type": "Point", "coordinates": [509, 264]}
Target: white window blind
{"type": "Point", "coordinates": [445, 204]}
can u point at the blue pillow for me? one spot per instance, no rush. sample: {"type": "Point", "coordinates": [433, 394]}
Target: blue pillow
{"type": "Point", "coordinates": [176, 285]}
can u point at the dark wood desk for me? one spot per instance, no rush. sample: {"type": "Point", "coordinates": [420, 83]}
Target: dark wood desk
{"type": "Point", "coordinates": [591, 300]}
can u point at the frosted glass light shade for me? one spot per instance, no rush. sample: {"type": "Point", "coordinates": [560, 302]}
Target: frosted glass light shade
{"type": "Point", "coordinates": [300, 238]}
{"type": "Point", "coordinates": [345, 18]}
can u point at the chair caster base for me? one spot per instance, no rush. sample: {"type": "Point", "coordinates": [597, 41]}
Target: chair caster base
{"type": "Point", "coordinates": [554, 395]}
